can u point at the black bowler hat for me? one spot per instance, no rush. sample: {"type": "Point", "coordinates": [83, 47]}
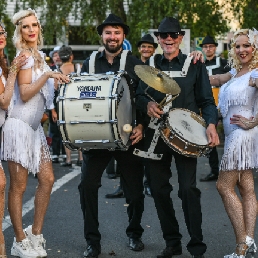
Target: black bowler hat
{"type": "Point", "coordinates": [208, 40]}
{"type": "Point", "coordinates": [112, 19]}
{"type": "Point", "coordinates": [147, 39]}
{"type": "Point", "coordinates": [169, 24]}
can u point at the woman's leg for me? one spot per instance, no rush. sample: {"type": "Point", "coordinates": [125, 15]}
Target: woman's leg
{"type": "Point", "coordinates": [226, 186]}
{"type": "Point", "coordinates": [249, 202]}
{"type": "Point", "coordinates": [42, 197]}
{"type": "Point", "coordinates": [18, 182]}
{"type": "Point", "coordinates": [2, 204]}
{"type": "Point", "coordinates": [242, 214]}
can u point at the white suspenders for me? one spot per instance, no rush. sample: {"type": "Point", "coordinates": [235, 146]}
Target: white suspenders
{"type": "Point", "coordinates": [211, 67]}
{"type": "Point", "coordinates": [174, 74]}
{"type": "Point", "coordinates": [93, 57]}
{"type": "Point", "coordinates": [154, 121]}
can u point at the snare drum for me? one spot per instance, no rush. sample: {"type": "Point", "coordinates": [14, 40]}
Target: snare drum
{"type": "Point", "coordinates": [93, 110]}
{"type": "Point", "coordinates": [185, 132]}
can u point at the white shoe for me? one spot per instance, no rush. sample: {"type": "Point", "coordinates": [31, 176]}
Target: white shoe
{"type": "Point", "coordinates": [38, 242]}
{"type": "Point", "coordinates": [234, 256]}
{"type": "Point", "coordinates": [23, 249]}
{"type": "Point", "coordinates": [252, 248]}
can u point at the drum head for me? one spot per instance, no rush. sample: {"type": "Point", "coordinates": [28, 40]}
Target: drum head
{"type": "Point", "coordinates": [188, 126]}
{"type": "Point", "coordinates": [124, 112]}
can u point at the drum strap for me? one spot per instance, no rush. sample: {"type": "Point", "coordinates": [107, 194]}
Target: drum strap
{"type": "Point", "coordinates": [211, 67]}
{"type": "Point", "coordinates": [93, 58]}
{"type": "Point", "coordinates": [92, 62]}
{"type": "Point", "coordinates": [174, 74]}
{"type": "Point", "coordinates": [154, 124]}
{"type": "Point", "coordinates": [123, 59]}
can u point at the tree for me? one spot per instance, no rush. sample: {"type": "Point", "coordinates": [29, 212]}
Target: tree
{"type": "Point", "coordinates": [246, 13]}
{"type": "Point", "coordinates": [201, 16]}
{"type": "Point", "coordinates": [8, 27]}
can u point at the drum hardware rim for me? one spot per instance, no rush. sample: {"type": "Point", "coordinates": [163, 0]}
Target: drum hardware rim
{"type": "Point", "coordinates": [92, 122]}
{"type": "Point", "coordinates": [184, 153]}
{"type": "Point", "coordinates": [60, 122]}
{"type": "Point", "coordinates": [82, 98]}
{"type": "Point", "coordinates": [105, 77]}
{"type": "Point", "coordinates": [92, 141]}
{"type": "Point", "coordinates": [172, 132]}
{"type": "Point", "coordinates": [110, 102]}
{"type": "Point", "coordinates": [63, 114]}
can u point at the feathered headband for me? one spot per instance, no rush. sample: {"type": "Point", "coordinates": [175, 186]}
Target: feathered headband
{"type": "Point", "coordinates": [253, 37]}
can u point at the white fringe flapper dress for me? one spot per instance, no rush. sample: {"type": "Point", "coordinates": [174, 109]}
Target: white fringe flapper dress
{"type": "Point", "coordinates": [23, 138]}
{"type": "Point", "coordinates": [236, 97]}
{"type": "Point", "coordinates": [2, 112]}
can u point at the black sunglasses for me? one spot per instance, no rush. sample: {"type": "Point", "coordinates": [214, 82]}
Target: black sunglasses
{"type": "Point", "coordinates": [173, 35]}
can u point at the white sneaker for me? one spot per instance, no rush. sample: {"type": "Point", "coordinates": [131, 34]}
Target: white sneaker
{"type": "Point", "coordinates": [23, 249]}
{"type": "Point", "coordinates": [38, 242]}
{"type": "Point", "coordinates": [252, 248]}
{"type": "Point", "coordinates": [234, 256]}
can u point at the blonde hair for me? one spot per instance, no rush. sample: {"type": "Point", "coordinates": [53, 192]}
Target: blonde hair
{"type": "Point", "coordinates": [232, 57]}
{"type": "Point", "coordinates": [18, 41]}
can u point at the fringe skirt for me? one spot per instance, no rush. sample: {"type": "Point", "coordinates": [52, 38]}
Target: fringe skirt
{"type": "Point", "coordinates": [23, 145]}
{"type": "Point", "coordinates": [240, 150]}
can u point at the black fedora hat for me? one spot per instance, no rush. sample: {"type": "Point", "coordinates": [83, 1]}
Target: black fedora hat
{"type": "Point", "coordinates": [147, 39]}
{"type": "Point", "coordinates": [169, 24]}
{"type": "Point", "coordinates": [112, 19]}
{"type": "Point", "coordinates": [208, 40]}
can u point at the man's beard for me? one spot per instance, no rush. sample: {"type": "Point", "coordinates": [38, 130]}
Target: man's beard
{"type": "Point", "coordinates": [113, 49]}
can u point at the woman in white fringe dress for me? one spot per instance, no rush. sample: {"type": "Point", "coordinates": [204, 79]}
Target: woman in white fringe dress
{"type": "Point", "coordinates": [24, 144]}
{"type": "Point", "coordinates": [7, 80]}
{"type": "Point", "coordinates": [238, 104]}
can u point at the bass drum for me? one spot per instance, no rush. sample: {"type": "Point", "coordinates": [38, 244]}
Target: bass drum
{"type": "Point", "coordinates": [93, 110]}
{"type": "Point", "coordinates": [185, 132]}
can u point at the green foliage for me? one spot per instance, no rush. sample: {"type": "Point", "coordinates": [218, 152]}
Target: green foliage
{"type": "Point", "coordinates": [245, 12]}
{"type": "Point", "coordinates": [10, 50]}
{"type": "Point", "coordinates": [201, 16]}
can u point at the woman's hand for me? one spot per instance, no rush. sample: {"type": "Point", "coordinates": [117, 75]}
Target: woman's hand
{"type": "Point", "coordinates": [136, 134]}
{"type": "Point", "coordinates": [244, 122]}
{"type": "Point", "coordinates": [61, 78]}
{"type": "Point", "coordinates": [17, 63]}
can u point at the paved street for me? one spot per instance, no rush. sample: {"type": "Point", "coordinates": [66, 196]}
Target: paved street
{"type": "Point", "coordinates": [63, 227]}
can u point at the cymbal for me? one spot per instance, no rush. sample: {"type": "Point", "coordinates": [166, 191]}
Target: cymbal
{"type": "Point", "coordinates": [157, 79]}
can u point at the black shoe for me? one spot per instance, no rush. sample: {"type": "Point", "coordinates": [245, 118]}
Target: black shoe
{"type": "Point", "coordinates": [92, 251]}
{"type": "Point", "coordinates": [147, 190]}
{"type": "Point", "coordinates": [119, 193]}
{"type": "Point", "coordinates": [79, 163]}
{"type": "Point", "coordinates": [111, 176]}
{"type": "Point", "coordinates": [55, 160]}
{"type": "Point", "coordinates": [209, 177]}
{"type": "Point", "coordinates": [65, 164]}
{"type": "Point", "coordinates": [198, 256]}
{"type": "Point", "coordinates": [169, 251]}
{"type": "Point", "coordinates": [136, 244]}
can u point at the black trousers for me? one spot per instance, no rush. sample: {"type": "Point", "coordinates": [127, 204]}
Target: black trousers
{"type": "Point", "coordinates": [214, 161]}
{"type": "Point", "coordinates": [159, 176]}
{"type": "Point", "coordinates": [56, 138]}
{"type": "Point", "coordinates": [94, 163]}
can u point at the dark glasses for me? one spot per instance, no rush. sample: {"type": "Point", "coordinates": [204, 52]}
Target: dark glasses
{"type": "Point", "coordinates": [173, 35]}
{"type": "Point", "coordinates": [3, 33]}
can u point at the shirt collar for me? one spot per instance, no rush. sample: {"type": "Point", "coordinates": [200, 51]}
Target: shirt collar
{"type": "Point", "coordinates": [180, 58]}
{"type": "Point", "coordinates": [103, 54]}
